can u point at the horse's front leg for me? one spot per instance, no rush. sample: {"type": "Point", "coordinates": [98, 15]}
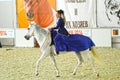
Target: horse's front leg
{"type": "Point", "coordinates": [38, 62]}
{"type": "Point", "coordinates": [54, 61]}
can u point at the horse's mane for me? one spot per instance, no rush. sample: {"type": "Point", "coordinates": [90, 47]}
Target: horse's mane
{"type": "Point", "coordinates": [43, 37]}
{"type": "Point", "coordinates": [39, 29]}
{"type": "Point", "coordinates": [40, 33]}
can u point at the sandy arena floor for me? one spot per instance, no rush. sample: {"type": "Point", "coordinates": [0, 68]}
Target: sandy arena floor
{"type": "Point", "coordinates": [19, 64]}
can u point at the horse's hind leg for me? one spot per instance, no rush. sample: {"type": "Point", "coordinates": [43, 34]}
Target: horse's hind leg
{"type": "Point", "coordinates": [91, 60]}
{"type": "Point", "coordinates": [80, 60]}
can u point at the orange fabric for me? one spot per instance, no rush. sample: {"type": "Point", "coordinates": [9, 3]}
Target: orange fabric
{"type": "Point", "coordinates": [43, 15]}
{"type": "Point", "coordinates": [52, 3]}
{"type": "Point", "coordinates": [21, 14]}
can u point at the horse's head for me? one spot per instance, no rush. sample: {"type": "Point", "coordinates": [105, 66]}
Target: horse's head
{"type": "Point", "coordinates": [31, 30]}
{"type": "Point", "coordinates": [30, 7]}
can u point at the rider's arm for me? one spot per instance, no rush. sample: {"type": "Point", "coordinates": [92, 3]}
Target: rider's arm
{"type": "Point", "coordinates": [60, 24]}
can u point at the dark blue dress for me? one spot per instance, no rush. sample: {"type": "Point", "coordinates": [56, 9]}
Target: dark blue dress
{"type": "Point", "coordinates": [60, 27]}
{"type": "Point", "coordinates": [74, 42]}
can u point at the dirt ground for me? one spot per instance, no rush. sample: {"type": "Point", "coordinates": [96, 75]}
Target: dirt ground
{"type": "Point", "coordinates": [19, 64]}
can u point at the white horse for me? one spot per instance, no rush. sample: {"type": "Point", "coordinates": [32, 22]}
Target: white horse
{"type": "Point", "coordinates": [44, 39]}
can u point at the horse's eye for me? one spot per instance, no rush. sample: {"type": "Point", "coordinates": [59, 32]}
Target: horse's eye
{"type": "Point", "coordinates": [28, 28]}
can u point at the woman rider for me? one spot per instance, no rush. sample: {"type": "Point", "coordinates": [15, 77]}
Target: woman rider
{"type": "Point", "coordinates": [60, 27]}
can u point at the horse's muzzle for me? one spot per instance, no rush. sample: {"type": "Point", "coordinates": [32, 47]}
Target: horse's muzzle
{"type": "Point", "coordinates": [27, 37]}
{"type": "Point", "coordinates": [30, 15]}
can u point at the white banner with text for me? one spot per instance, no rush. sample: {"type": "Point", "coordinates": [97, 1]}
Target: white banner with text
{"type": "Point", "coordinates": [78, 13]}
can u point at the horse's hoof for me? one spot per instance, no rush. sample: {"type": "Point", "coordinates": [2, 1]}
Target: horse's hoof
{"type": "Point", "coordinates": [37, 74]}
{"type": "Point", "coordinates": [98, 75]}
{"type": "Point", "coordinates": [73, 74]}
{"type": "Point", "coordinates": [58, 76]}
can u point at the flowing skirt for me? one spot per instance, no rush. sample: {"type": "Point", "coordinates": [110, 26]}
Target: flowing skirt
{"type": "Point", "coordinates": [74, 42]}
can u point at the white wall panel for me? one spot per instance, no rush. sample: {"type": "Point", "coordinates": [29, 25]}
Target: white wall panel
{"type": "Point", "coordinates": [6, 14]}
{"type": "Point", "coordinates": [20, 41]}
{"type": "Point", "coordinates": [102, 37]}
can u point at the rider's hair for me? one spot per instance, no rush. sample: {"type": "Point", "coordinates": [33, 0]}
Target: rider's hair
{"type": "Point", "coordinates": [61, 12]}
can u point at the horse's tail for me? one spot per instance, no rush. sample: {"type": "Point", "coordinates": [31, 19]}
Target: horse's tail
{"type": "Point", "coordinates": [95, 56]}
